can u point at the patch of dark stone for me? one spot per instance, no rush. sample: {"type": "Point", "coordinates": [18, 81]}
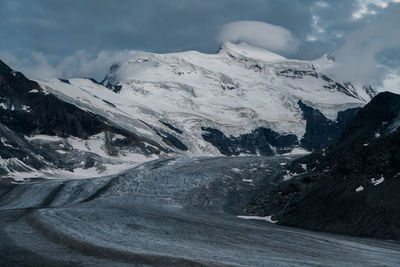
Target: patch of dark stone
{"type": "Point", "coordinates": [168, 138]}
{"type": "Point", "coordinates": [321, 131]}
{"type": "Point", "coordinates": [93, 80]}
{"type": "Point", "coordinates": [171, 140]}
{"type": "Point", "coordinates": [258, 141]}
{"type": "Point", "coordinates": [64, 81]}
{"type": "Point", "coordinates": [172, 127]}
{"type": "Point", "coordinates": [109, 103]}
{"type": "Point", "coordinates": [298, 74]}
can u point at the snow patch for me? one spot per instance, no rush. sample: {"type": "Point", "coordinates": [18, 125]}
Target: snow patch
{"type": "Point", "coordinates": [297, 151]}
{"type": "Point", "coordinates": [376, 182]}
{"type": "Point", "coordinates": [259, 218]}
{"type": "Point", "coordinates": [5, 142]}
{"type": "Point", "coordinates": [360, 188]}
{"type": "Point", "coordinates": [289, 176]}
{"type": "Point", "coordinates": [304, 166]}
{"type": "Point", "coordinates": [43, 137]}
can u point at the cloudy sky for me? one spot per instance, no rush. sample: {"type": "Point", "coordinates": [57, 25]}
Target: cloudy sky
{"type": "Point", "coordinates": [47, 38]}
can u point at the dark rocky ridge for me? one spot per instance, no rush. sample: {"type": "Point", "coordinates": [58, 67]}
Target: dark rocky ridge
{"type": "Point", "coordinates": [172, 127]}
{"type": "Point", "coordinates": [346, 88]}
{"type": "Point", "coordinates": [110, 80]}
{"type": "Point", "coordinates": [26, 109]}
{"type": "Point", "coordinates": [43, 113]}
{"type": "Point", "coordinates": [325, 197]}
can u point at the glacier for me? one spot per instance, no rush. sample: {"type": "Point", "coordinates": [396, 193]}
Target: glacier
{"type": "Point", "coordinates": [174, 212]}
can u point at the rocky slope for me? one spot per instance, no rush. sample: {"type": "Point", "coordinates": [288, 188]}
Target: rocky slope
{"type": "Point", "coordinates": [38, 131]}
{"type": "Point", "coordinates": [350, 187]}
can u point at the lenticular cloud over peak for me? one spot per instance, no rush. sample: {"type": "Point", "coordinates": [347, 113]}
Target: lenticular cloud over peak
{"type": "Point", "coordinates": [261, 34]}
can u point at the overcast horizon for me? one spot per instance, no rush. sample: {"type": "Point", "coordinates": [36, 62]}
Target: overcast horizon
{"type": "Point", "coordinates": [45, 39]}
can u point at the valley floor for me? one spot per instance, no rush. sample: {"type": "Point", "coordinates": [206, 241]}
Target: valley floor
{"type": "Point", "coordinates": [167, 213]}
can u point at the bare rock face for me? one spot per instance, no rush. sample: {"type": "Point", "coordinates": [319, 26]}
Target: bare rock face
{"type": "Point", "coordinates": [28, 109]}
{"type": "Point", "coordinates": [351, 187]}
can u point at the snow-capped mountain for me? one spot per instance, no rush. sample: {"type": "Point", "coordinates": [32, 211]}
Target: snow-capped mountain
{"type": "Point", "coordinates": [242, 100]}
{"type": "Point", "coordinates": [236, 91]}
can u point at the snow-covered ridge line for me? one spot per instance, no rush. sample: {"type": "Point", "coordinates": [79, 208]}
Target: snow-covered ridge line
{"type": "Point", "coordinates": [238, 90]}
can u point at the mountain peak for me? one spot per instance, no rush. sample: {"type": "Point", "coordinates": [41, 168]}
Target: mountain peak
{"type": "Point", "coordinates": [4, 67]}
{"type": "Point", "coordinates": [248, 51]}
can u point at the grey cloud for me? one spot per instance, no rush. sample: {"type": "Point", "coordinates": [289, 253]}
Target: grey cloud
{"type": "Point", "coordinates": [261, 34]}
{"type": "Point", "coordinates": [389, 57]}
{"type": "Point", "coordinates": [79, 64]}
{"type": "Point", "coordinates": [61, 27]}
{"type": "Point", "coordinates": [42, 33]}
{"type": "Point", "coordinates": [46, 34]}
{"type": "Point", "coordinates": [365, 54]}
